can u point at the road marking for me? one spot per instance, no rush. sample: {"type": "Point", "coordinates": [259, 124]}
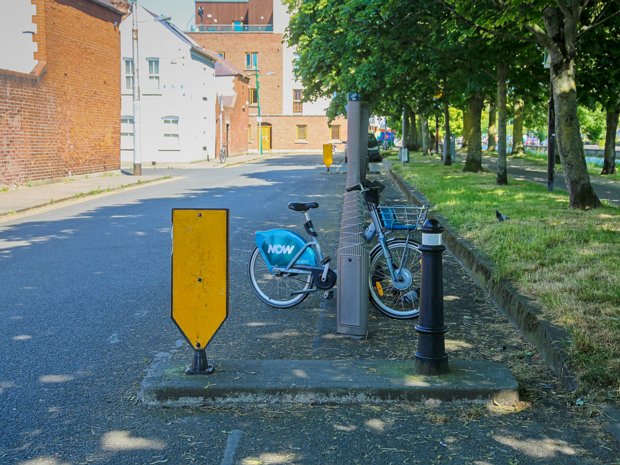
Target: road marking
{"type": "Point", "coordinates": [234, 437]}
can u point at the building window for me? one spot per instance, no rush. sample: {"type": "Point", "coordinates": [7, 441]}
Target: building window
{"type": "Point", "coordinates": [334, 132]}
{"type": "Point", "coordinates": [250, 132]}
{"type": "Point", "coordinates": [251, 60]}
{"type": "Point", "coordinates": [153, 72]}
{"type": "Point", "coordinates": [171, 132]}
{"type": "Point", "coordinates": [253, 97]}
{"type": "Point", "coordinates": [298, 106]}
{"type": "Point", "coordinates": [302, 132]}
{"type": "Point", "coordinates": [126, 132]}
{"type": "Point", "coordinates": [129, 73]}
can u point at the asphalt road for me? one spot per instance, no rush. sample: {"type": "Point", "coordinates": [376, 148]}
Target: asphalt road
{"type": "Point", "coordinates": [85, 311]}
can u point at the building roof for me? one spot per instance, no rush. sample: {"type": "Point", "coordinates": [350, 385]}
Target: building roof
{"type": "Point", "coordinates": [109, 4]}
{"type": "Point", "coordinates": [224, 67]}
{"type": "Point", "coordinates": [184, 37]}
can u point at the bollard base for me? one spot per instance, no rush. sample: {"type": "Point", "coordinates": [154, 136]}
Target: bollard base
{"type": "Point", "coordinates": [431, 366]}
{"type": "Point", "coordinates": [200, 365]}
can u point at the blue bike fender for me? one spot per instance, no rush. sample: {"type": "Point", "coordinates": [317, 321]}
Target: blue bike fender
{"type": "Point", "coordinates": [279, 246]}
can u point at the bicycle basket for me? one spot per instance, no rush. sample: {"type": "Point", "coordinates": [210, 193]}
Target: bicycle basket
{"type": "Point", "coordinates": [402, 217]}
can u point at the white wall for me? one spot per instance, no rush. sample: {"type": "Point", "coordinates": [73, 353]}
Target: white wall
{"type": "Point", "coordinates": [280, 17]}
{"type": "Point", "coordinates": [186, 90]}
{"type": "Point", "coordinates": [16, 45]}
{"type": "Point", "coordinates": [316, 108]}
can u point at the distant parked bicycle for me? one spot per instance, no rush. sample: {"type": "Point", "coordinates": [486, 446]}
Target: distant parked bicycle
{"type": "Point", "coordinates": [284, 268]}
{"type": "Point", "coordinates": [223, 154]}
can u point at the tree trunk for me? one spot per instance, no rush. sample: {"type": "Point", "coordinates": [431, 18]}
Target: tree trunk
{"type": "Point", "coordinates": [609, 164]}
{"type": "Point", "coordinates": [447, 159]}
{"type": "Point", "coordinates": [502, 169]}
{"type": "Point", "coordinates": [562, 30]}
{"type": "Point", "coordinates": [426, 139]}
{"type": "Point", "coordinates": [474, 137]}
{"type": "Point", "coordinates": [492, 127]}
{"type": "Point", "coordinates": [466, 126]}
{"type": "Point", "coordinates": [517, 127]}
{"type": "Point", "coordinates": [414, 142]}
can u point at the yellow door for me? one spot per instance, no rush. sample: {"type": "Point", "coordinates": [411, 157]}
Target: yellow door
{"type": "Point", "coordinates": [266, 135]}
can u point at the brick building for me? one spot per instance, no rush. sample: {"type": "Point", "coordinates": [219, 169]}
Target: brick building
{"type": "Point", "coordinates": [249, 34]}
{"type": "Point", "coordinates": [59, 92]}
{"type": "Point", "coordinates": [231, 110]}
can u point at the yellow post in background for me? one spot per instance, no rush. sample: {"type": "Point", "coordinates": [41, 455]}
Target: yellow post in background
{"type": "Point", "coordinates": [328, 156]}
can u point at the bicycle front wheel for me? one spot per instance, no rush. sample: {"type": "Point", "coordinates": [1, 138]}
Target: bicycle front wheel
{"type": "Point", "coordinates": [397, 299]}
{"type": "Point", "coordinates": [277, 289]}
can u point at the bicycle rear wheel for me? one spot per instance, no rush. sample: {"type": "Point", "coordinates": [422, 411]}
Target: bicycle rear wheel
{"type": "Point", "coordinates": [396, 299]}
{"type": "Point", "coordinates": [276, 289]}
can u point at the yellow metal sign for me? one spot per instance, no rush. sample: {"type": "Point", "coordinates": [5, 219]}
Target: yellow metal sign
{"type": "Point", "coordinates": [328, 157]}
{"type": "Point", "coordinates": [199, 272]}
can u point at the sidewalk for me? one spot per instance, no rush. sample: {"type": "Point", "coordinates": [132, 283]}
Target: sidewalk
{"type": "Point", "coordinates": [607, 189]}
{"type": "Point", "coordinates": [27, 198]}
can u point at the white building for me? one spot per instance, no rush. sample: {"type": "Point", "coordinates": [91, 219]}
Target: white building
{"type": "Point", "coordinates": [177, 98]}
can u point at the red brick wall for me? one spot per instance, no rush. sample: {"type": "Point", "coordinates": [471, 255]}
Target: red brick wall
{"type": "Point", "coordinates": [66, 119]}
{"type": "Point", "coordinates": [269, 48]}
{"type": "Point", "coordinates": [237, 119]}
{"type": "Point", "coordinates": [270, 60]}
{"type": "Point", "coordinates": [284, 132]}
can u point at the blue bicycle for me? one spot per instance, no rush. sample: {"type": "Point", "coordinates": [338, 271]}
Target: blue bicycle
{"type": "Point", "coordinates": [284, 268]}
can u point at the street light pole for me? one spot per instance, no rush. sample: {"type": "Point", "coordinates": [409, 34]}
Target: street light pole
{"type": "Point", "coordinates": [137, 144]}
{"type": "Point", "coordinates": [259, 119]}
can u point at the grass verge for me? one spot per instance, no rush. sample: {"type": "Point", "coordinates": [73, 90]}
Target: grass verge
{"type": "Point", "coordinates": [564, 259]}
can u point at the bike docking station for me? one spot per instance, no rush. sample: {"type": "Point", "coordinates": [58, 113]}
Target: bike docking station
{"type": "Point", "coordinates": [353, 258]}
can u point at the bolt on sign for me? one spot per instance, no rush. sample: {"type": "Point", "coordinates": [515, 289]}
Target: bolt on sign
{"type": "Point", "coordinates": [199, 273]}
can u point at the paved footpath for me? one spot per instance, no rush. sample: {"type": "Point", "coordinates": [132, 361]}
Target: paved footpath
{"type": "Point", "coordinates": [76, 188]}
{"type": "Point", "coordinates": [607, 188]}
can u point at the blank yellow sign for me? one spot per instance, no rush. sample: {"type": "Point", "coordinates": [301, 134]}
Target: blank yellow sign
{"type": "Point", "coordinates": [199, 272]}
{"type": "Point", "coordinates": [328, 158]}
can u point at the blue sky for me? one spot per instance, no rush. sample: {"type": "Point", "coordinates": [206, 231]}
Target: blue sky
{"type": "Point", "coordinates": [182, 11]}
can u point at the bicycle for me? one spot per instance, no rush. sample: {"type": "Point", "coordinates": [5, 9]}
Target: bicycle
{"type": "Point", "coordinates": [223, 154]}
{"type": "Point", "coordinates": [394, 270]}
{"type": "Point", "coordinates": [284, 268]}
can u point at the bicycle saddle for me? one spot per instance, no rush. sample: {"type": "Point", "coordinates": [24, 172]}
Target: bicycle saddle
{"type": "Point", "coordinates": [302, 206]}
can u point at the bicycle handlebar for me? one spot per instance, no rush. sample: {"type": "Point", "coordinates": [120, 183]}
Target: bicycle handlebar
{"type": "Point", "coordinates": [366, 186]}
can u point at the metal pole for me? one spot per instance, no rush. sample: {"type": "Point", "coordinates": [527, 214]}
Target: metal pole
{"type": "Point", "coordinates": [221, 126]}
{"type": "Point", "coordinates": [431, 358]}
{"type": "Point", "coordinates": [137, 139]}
{"type": "Point", "coordinates": [436, 134]}
{"type": "Point", "coordinates": [551, 140]}
{"type": "Point", "coordinates": [259, 119]}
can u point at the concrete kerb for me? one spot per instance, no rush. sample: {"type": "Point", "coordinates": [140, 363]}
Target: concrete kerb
{"type": "Point", "coordinates": [325, 382]}
{"type": "Point", "coordinates": [549, 339]}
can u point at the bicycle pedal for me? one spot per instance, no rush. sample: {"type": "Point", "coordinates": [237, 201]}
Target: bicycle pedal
{"type": "Point", "coordinates": [326, 260]}
{"type": "Point", "coordinates": [328, 295]}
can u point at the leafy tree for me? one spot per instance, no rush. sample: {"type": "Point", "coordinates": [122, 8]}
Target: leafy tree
{"type": "Point", "coordinates": [600, 70]}
{"type": "Point", "coordinates": [556, 26]}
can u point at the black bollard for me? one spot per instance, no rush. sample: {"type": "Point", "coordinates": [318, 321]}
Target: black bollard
{"type": "Point", "coordinates": [200, 365]}
{"type": "Point", "coordinates": [431, 358]}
